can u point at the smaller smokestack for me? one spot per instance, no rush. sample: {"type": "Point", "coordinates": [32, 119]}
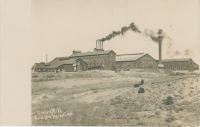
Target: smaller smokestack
{"type": "Point", "coordinates": [99, 44]}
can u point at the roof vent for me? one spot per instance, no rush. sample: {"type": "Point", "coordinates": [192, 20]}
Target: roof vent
{"type": "Point", "coordinates": [76, 51]}
{"type": "Point", "coordinates": [98, 50]}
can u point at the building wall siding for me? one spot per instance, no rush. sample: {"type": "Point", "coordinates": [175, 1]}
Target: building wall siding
{"type": "Point", "coordinates": [105, 61]}
{"type": "Point", "coordinates": [78, 66]}
{"type": "Point", "coordinates": [66, 68]}
{"type": "Point", "coordinates": [143, 62]}
{"type": "Point", "coordinates": [44, 70]}
{"type": "Point", "coordinates": [181, 65]}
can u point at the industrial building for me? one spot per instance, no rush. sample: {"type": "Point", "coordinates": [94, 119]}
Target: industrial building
{"type": "Point", "coordinates": [79, 61]}
{"type": "Point", "coordinates": [98, 59]}
{"type": "Point", "coordinates": [132, 61]}
{"type": "Point", "coordinates": [108, 60]}
{"type": "Point", "coordinates": [61, 64]}
{"type": "Point", "coordinates": [180, 64]}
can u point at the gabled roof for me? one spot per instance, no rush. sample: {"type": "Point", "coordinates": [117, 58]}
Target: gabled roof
{"type": "Point", "coordinates": [91, 53]}
{"type": "Point", "coordinates": [39, 65]}
{"type": "Point", "coordinates": [129, 57]}
{"type": "Point", "coordinates": [176, 60]}
{"type": "Point", "coordinates": [58, 61]}
{"type": "Point", "coordinates": [179, 60]}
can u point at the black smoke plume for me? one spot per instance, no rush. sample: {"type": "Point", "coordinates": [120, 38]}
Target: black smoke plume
{"type": "Point", "coordinates": [156, 37]}
{"type": "Point", "coordinates": [123, 30]}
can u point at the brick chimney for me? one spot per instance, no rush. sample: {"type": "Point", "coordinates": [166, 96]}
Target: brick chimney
{"type": "Point", "coordinates": [99, 46]}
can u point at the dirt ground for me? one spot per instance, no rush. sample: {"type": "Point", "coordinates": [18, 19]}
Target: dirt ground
{"type": "Point", "coordinates": [109, 98]}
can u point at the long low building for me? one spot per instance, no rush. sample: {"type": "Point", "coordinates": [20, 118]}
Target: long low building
{"type": "Point", "coordinates": [79, 61]}
{"type": "Point", "coordinates": [61, 64]}
{"type": "Point", "coordinates": [132, 61]}
{"type": "Point", "coordinates": [108, 60]}
{"type": "Point", "coordinates": [180, 64]}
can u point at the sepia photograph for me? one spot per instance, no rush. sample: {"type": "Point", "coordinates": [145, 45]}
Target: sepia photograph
{"type": "Point", "coordinates": [115, 63]}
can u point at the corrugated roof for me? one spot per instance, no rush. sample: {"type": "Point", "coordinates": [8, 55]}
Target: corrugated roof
{"type": "Point", "coordinates": [91, 53]}
{"type": "Point", "coordinates": [129, 57]}
{"type": "Point", "coordinates": [58, 61]}
{"type": "Point", "coordinates": [68, 59]}
{"type": "Point", "coordinates": [39, 65]}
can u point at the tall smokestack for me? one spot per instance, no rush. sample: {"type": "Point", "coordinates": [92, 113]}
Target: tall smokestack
{"type": "Point", "coordinates": [159, 40]}
{"type": "Point", "coordinates": [160, 52]}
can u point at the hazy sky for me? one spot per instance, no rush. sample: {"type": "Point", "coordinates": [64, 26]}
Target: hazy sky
{"type": "Point", "coordinates": [60, 26]}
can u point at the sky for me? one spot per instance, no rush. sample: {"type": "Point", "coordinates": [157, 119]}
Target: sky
{"type": "Point", "coordinates": [60, 26]}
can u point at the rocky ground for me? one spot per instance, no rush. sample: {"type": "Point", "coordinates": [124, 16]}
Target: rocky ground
{"type": "Point", "coordinates": [109, 98]}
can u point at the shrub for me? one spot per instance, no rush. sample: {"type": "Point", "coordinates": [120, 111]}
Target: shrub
{"type": "Point", "coordinates": [136, 85]}
{"type": "Point", "coordinates": [45, 97]}
{"type": "Point", "coordinates": [95, 90]}
{"type": "Point", "coordinates": [170, 119]}
{"type": "Point", "coordinates": [141, 90]}
{"type": "Point", "coordinates": [140, 123]}
{"type": "Point", "coordinates": [117, 100]}
{"type": "Point", "coordinates": [177, 110]}
{"type": "Point", "coordinates": [157, 113]}
{"type": "Point", "coordinates": [168, 101]}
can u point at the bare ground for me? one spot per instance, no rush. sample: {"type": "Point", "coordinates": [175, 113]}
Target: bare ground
{"type": "Point", "coordinates": [108, 98]}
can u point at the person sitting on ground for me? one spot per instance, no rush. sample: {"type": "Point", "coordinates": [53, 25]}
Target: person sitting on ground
{"type": "Point", "coordinates": [141, 83]}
